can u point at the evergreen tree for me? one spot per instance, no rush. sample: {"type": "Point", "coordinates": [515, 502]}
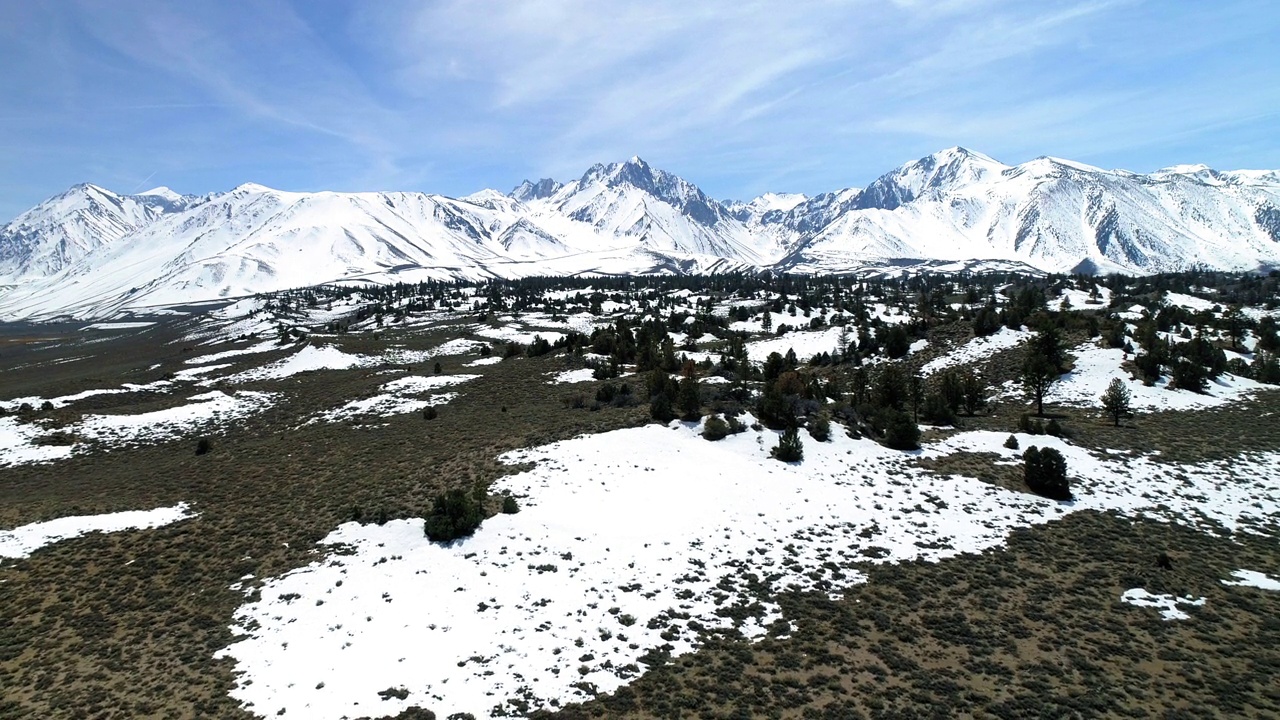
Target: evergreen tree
{"type": "Point", "coordinates": [690, 403]}
{"type": "Point", "coordinates": [975, 392]}
{"type": "Point", "coordinates": [1115, 401]}
{"type": "Point", "coordinates": [1045, 472]}
{"type": "Point", "coordinates": [1038, 375]}
{"type": "Point", "coordinates": [896, 342]}
{"type": "Point", "coordinates": [1190, 375]}
{"type": "Point", "coordinates": [892, 388]}
{"type": "Point", "coordinates": [901, 432]}
{"type": "Point", "coordinates": [986, 321]}
{"type": "Point", "coordinates": [789, 447]}
{"type": "Point", "coordinates": [951, 390]}
{"type": "Point", "coordinates": [820, 429]}
{"type": "Point", "coordinates": [455, 514]}
{"type": "Point", "coordinates": [715, 428]}
{"type": "Point", "coordinates": [660, 408]}
{"type": "Point", "coordinates": [1266, 369]}
{"type": "Point", "coordinates": [1042, 365]}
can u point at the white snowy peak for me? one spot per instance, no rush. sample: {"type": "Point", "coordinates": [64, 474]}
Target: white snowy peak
{"type": "Point", "coordinates": [89, 252]}
{"type": "Point", "coordinates": [67, 227]}
{"type": "Point", "coordinates": [942, 171]}
{"type": "Point", "coordinates": [636, 174]}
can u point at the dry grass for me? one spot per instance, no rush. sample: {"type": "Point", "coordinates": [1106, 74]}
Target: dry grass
{"type": "Point", "coordinates": [125, 625]}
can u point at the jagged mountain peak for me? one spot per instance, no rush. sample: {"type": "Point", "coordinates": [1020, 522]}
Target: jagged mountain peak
{"type": "Point", "coordinates": [654, 182]}
{"type": "Point", "coordinates": [940, 171]}
{"type": "Point", "coordinates": [84, 251]}
{"type": "Point", "coordinates": [527, 191]}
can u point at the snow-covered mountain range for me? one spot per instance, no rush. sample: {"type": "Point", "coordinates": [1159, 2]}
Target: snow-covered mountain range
{"type": "Point", "coordinates": [90, 252]}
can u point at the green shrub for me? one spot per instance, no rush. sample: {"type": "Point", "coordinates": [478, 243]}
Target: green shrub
{"type": "Point", "coordinates": [1011, 442]}
{"type": "Point", "coordinates": [900, 431]}
{"type": "Point", "coordinates": [789, 447]}
{"type": "Point", "coordinates": [820, 429]}
{"type": "Point", "coordinates": [509, 505]}
{"type": "Point", "coordinates": [455, 514]}
{"type": "Point", "coordinates": [660, 409]}
{"type": "Point", "coordinates": [1029, 426]}
{"type": "Point", "coordinates": [1045, 472]}
{"type": "Point", "coordinates": [715, 429]}
{"type": "Point", "coordinates": [203, 446]}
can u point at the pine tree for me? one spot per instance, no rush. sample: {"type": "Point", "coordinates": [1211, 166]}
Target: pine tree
{"type": "Point", "coordinates": [690, 402]}
{"type": "Point", "coordinates": [1045, 472]}
{"type": "Point", "coordinates": [1115, 401]}
{"type": "Point", "coordinates": [975, 392]}
{"type": "Point", "coordinates": [896, 342]}
{"type": "Point", "coordinates": [951, 390]}
{"type": "Point", "coordinates": [1038, 375]}
{"type": "Point", "coordinates": [1042, 365]}
{"type": "Point", "coordinates": [901, 432]}
{"type": "Point", "coordinates": [789, 447]}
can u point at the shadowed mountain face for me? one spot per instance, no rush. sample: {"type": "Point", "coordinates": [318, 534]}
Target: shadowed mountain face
{"type": "Point", "coordinates": [91, 252]}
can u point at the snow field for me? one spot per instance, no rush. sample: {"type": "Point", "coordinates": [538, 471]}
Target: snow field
{"type": "Point", "coordinates": [20, 542]}
{"type": "Point", "coordinates": [515, 332]}
{"type": "Point", "coordinates": [806, 343]}
{"type": "Point", "coordinates": [261, 347]}
{"type": "Point", "coordinates": [1252, 578]}
{"type": "Point", "coordinates": [1096, 367]}
{"type": "Point", "coordinates": [398, 398]}
{"type": "Point", "coordinates": [211, 408]}
{"type": "Point", "coordinates": [626, 539]}
{"type": "Point", "coordinates": [20, 442]}
{"type": "Point", "coordinates": [310, 357]}
{"type": "Point", "coordinates": [1167, 604]}
{"type": "Point", "coordinates": [566, 377]}
{"type": "Point", "coordinates": [975, 350]}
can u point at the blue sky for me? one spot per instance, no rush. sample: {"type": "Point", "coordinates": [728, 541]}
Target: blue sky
{"type": "Point", "coordinates": [737, 96]}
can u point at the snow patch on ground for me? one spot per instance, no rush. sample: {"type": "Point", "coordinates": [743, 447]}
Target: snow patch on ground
{"type": "Point", "coordinates": [225, 354]}
{"type": "Point", "coordinates": [1251, 578]}
{"type": "Point", "coordinates": [20, 542]}
{"type": "Point", "coordinates": [516, 332]}
{"type": "Point", "coordinates": [976, 350]}
{"type": "Point", "coordinates": [1190, 302]}
{"type": "Point", "coordinates": [117, 326]}
{"type": "Point", "coordinates": [398, 398]}
{"type": "Point", "coordinates": [211, 408]}
{"type": "Point", "coordinates": [1167, 604]}
{"type": "Point", "coordinates": [481, 362]}
{"type": "Point", "coordinates": [601, 565]}
{"type": "Point", "coordinates": [311, 357]}
{"type": "Point", "coordinates": [572, 376]}
{"type": "Point", "coordinates": [1096, 367]}
{"type": "Point", "coordinates": [21, 443]}
{"type": "Point", "coordinates": [806, 343]}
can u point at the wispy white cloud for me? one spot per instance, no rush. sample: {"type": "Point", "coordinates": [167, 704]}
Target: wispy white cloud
{"type": "Point", "coordinates": [740, 97]}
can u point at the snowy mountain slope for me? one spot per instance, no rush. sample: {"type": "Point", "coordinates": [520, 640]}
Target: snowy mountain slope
{"type": "Point", "coordinates": [765, 209]}
{"type": "Point", "coordinates": [67, 227]}
{"type": "Point", "coordinates": [1054, 214]}
{"type": "Point", "coordinates": [92, 253]}
{"type": "Point", "coordinates": [254, 239]}
{"type": "Point", "coordinates": [658, 210]}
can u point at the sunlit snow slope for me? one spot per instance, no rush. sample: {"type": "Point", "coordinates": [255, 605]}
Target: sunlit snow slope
{"type": "Point", "coordinates": [92, 253]}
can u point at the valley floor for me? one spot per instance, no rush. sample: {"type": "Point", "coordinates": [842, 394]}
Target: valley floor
{"type": "Point", "coordinates": [649, 572]}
